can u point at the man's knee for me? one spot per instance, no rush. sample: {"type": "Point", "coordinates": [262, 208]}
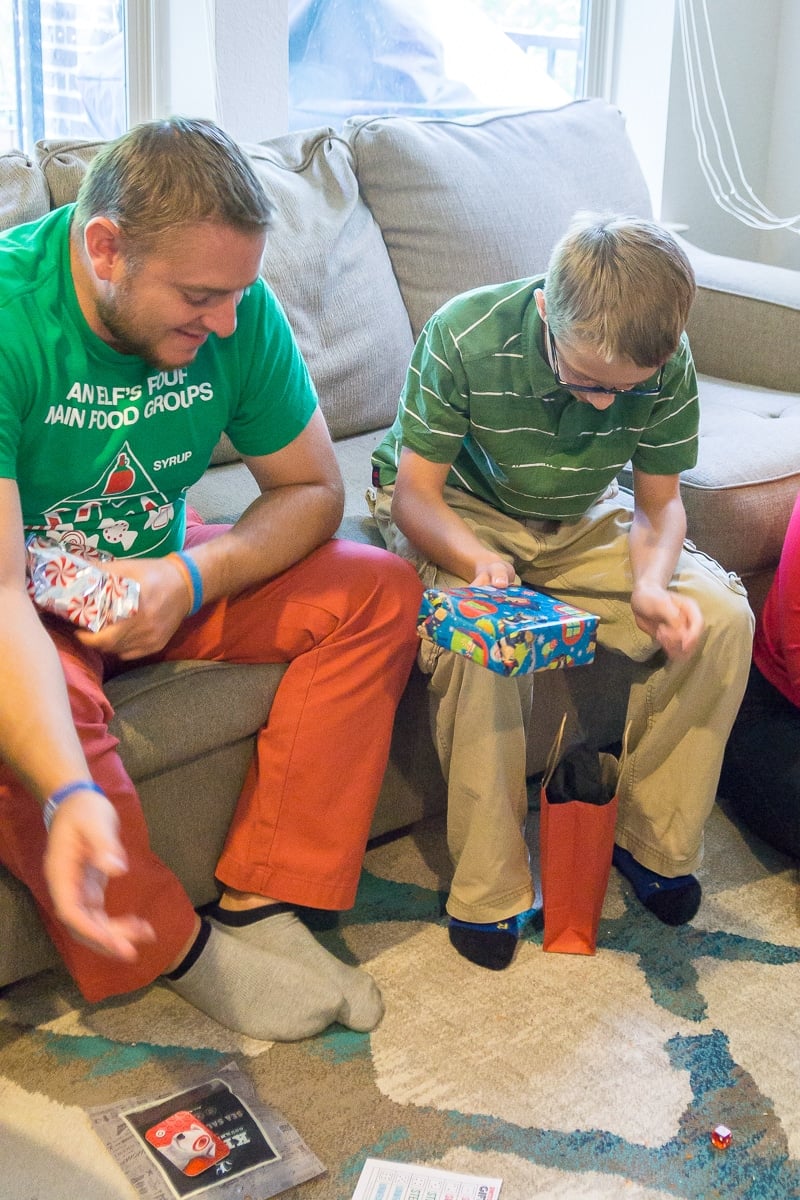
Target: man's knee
{"type": "Point", "coordinates": [373, 572]}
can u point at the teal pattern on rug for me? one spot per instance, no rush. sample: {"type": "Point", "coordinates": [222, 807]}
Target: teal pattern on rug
{"type": "Point", "coordinates": [756, 1166]}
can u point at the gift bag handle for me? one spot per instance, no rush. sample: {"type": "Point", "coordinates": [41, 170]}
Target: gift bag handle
{"type": "Point", "coordinates": [555, 752]}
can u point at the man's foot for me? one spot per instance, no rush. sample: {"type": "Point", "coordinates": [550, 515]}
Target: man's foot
{"type": "Point", "coordinates": [276, 928]}
{"type": "Point", "coordinates": [673, 901]}
{"type": "Point", "coordinates": [491, 946]}
{"type": "Point", "coordinates": [262, 995]}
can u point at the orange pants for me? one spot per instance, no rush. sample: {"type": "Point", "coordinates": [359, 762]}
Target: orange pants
{"type": "Point", "coordinates": [344, 620]}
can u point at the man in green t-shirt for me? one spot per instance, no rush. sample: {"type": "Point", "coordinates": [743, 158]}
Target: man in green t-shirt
{"type": "Point", "coordinates": [134, 330]}
{"type": "Point", "coordinates": [522, 403]}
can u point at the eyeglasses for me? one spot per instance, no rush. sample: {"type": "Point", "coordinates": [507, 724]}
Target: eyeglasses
{"type": "Point", "coordinates": [641, 389]}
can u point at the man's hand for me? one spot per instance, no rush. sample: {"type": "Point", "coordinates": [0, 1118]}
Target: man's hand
{"type": "Point", "coordinates": [674, 621]}
{"type": "Point", "coordinates": [493, 573]}
{"type": "Point", "coordinates": [163, 603]}
{"type": "Point", "coordinates": [83, 853]}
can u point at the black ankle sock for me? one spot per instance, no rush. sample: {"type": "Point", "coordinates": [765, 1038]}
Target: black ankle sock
{"type": "Point", "coordinates": [195, 950]}
{"type": "Point", "coordinates": [673, 900]}
{"type": "Point", "coordinates": [236, 918]}
{"type": "Point", "coordinates": [491, 946]}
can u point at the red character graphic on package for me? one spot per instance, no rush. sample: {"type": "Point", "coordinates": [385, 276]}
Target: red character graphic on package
{"type": "Point", "coordinates": [188, 1144]}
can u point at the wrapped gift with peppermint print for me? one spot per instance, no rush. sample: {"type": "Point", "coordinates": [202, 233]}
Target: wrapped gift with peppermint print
{"type": "Point", "coordinates": [77, 588]}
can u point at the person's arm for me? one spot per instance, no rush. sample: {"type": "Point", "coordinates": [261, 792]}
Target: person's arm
{"type": "Point", "coordinates": [787, 598]}
{"type": "Point", "coordinates": [421, 513]}
{"type": "Point", "coordinates": [300, 507]}
{"type": "Point", "coordinates": [656, 540]}
{"type": "Point", "coordinates": [38, 741]}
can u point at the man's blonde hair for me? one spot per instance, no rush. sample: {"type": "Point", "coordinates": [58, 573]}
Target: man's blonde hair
{"type": "Point", "coordinates": [622, 285]}
{"type": "Point", "coordinates": [169, 174]}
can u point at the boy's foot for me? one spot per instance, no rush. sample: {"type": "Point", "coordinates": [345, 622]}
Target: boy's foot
{"type": "Point", "coordinates": [673, 901]}
{"type": "Point", "coordinates": [491, 946]}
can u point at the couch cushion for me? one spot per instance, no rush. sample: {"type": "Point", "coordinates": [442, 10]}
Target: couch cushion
{"type": "Point", "coordinates": [23, 190]}
{"type": "Point", "coordinates": [226, 490]}
{"type": "Point", "coordinates": [739, 495]}
{"type": "Point", "coordinates": [467, 202]}
{"type": "Point", "coordinates": [64, 164]}
{"type": "Point", "coordinates": [327, 263]}
{"type": "Point", "coordinates": [173, 713]}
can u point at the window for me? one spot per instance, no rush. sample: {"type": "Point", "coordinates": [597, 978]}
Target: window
{"type": "Point", "coordinates": [62, 70]}
{"type": "Point", "coordinates": [432, 57]}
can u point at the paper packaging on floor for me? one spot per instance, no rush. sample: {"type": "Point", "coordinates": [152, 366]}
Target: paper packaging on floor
{"type": "Point", "coordinates": [216, 1138]}
{"type": "Point", "coordinates": [381, 1179]}
{"type": "Point", "coordinates": [512, 631]}
{"type": "Point", "coordinates": [77, 588]}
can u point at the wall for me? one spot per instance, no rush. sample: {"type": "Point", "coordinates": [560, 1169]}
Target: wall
{"type": "Point", "coordinates": [253, 86]}
{"type": "Point", "coordinates": [782, 191]}
{"type": "Point", "coordinates": [227, 60]}
{"type": "Point", "coordinates": [640, 81]}
{"type": "Point", "coordinates": [756, 48]}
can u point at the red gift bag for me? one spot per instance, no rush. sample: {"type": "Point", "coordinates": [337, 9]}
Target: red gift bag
{"type": "Point", "coordinates": [576, 840]}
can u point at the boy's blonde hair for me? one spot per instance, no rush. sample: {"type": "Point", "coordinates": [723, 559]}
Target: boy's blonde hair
{"type": "Point", "coordinates": [621, 285]}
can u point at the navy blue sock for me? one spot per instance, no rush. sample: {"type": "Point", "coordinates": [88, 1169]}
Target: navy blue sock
{"type": "Point", "coordinates": [491, 945]}
{"type": "Point", "coordinates": [673, 901]}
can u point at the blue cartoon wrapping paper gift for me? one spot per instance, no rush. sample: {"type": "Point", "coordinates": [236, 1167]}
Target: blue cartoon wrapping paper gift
{"type": "Point", "coordinates": [511, 631]}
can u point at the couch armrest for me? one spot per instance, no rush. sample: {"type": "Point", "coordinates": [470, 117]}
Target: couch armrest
{"type": "Point", "coordinates": [745, 322]}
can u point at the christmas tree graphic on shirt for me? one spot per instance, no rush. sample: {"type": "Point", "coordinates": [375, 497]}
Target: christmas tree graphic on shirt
{"type": "Point", "coordinates": [123, 502]}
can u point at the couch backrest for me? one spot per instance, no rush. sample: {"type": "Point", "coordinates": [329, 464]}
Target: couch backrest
{"type": "Point", "coordinates": [436, 206]}
{"type": "Point", "coordinates": [327, 263]}
{"type": "Point", "coordinates": [480, 200]}
{"type": "Point", "coordinates": [23, 190]}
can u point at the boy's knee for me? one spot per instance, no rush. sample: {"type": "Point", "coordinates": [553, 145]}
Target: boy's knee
{"type": "Point", "coordinates": [733, 616]}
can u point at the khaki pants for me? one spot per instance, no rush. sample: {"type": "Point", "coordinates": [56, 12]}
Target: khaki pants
{"type": "Point", "coordinates": [679, 717]}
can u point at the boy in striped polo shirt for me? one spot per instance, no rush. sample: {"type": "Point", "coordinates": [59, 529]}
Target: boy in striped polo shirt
{"type": "Point", "coordinates": [522, 403]}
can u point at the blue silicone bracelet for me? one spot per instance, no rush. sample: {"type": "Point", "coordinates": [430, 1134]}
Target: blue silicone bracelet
{"type": "Point", "coordinates": [197, 580]}
{"type": "Point", "coordinates": [52, 802]}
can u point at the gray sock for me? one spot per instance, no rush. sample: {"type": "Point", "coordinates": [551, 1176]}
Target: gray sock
{"type": "Point", "coordinates": [255, 992]}
{"type": "Point", "coordinates": [279, 931]}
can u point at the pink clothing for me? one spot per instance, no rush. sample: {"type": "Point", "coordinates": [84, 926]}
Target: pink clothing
{"type": "Point", "coordinates": [776, 649]}
{"type": "Point", "coordinates": [343, 618]}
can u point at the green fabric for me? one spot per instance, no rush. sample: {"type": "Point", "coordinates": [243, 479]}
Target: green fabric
{"type": "Point", "coordinates": [481, 395]}
{"type": "Point", "coordinates": [104, 446]}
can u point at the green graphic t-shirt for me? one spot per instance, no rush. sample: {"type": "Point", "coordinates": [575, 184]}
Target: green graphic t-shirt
{"type": "Point", "coordinates": [104, 446]}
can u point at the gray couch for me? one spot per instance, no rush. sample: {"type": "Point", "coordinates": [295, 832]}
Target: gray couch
{"type": "Point", "coordinates": [379, 224]}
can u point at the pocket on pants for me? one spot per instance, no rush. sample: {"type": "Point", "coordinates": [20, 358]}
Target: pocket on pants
{"type": "Point", "coordinates": [729, 578]}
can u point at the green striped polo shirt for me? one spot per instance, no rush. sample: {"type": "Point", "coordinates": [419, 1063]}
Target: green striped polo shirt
{"type": "Point", "coordinates": [481, 396]}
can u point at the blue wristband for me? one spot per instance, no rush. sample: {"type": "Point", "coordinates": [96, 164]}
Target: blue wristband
{"type": "Point", "coordinates": [196, 578]}
{"type": "Point", "coordinates": [52, 803]}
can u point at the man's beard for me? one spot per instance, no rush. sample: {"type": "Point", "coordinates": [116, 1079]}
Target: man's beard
{"type": "Point", "coordinates": [126, 338]}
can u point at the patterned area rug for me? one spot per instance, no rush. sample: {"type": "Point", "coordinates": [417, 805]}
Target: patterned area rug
{"type": "Point", "coordinates": [565, 1076]}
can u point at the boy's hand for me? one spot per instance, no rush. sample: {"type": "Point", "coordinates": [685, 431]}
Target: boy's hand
{"type": "Point", "coordinates": [494, 573]}
{"type": "Point", "coordinates": [674, 621]}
